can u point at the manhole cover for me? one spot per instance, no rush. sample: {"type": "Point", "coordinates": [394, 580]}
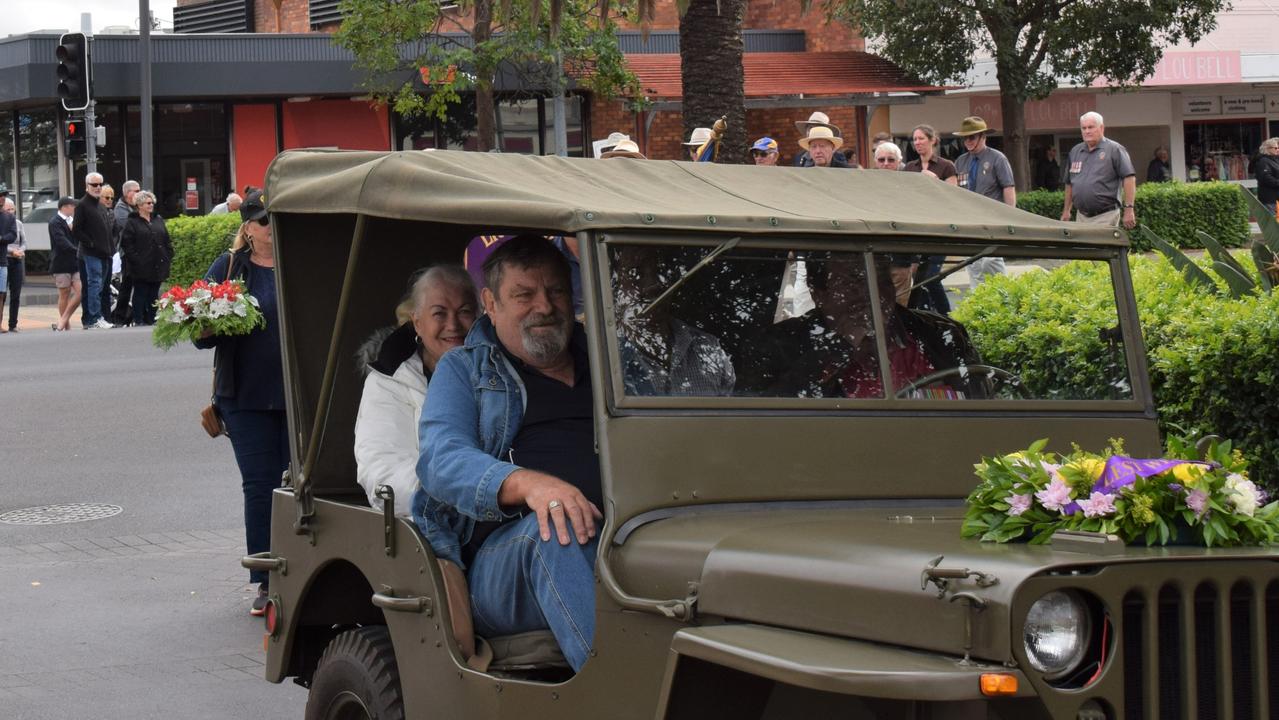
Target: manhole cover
{"type": "Point", "coordinates": [55, 514]}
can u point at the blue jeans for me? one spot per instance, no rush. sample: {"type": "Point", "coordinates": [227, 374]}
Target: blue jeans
{"type": "Point", "coordinates": [94, 277]}
{"type": "Point", "coordinates": [260, 439]}
{"type": "Point", "coordinates": [520, 583]}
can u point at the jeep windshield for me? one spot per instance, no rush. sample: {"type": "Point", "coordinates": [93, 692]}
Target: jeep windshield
{"type": "Point", "coordinates": [820, 321]}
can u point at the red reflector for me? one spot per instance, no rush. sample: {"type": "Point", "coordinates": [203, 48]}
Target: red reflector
{"type": "Point", "coordinates": [272, 617]}
{"type": "Point", "coordinates": [993, 684]}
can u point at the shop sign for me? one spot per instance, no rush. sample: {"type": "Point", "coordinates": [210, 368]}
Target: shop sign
{"type": "Point", "coordinates": [1197, 67]}
{"type": "Point", "coordinates": [1054, 113]}
{"type": "Point", "coordinates": [192, 200]}
{"type": "Point", "coordinates": [1201, 105]}
{"type": "Point", "coordinates": [1243, 104]}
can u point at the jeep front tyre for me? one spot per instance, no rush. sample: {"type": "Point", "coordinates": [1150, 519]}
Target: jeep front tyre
{"type": "Point", "coordinates": [357, 679]}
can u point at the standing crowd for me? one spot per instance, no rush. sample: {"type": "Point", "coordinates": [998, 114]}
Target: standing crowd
{"type": "Point", "coordinates": [92, 240]}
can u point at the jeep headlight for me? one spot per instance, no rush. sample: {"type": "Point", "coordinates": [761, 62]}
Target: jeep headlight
{"type": "Point", "coordinates": [1057, 631]}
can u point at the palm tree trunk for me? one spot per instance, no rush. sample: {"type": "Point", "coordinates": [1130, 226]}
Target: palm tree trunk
{"type": "Point", "coordinates": [711, 46]}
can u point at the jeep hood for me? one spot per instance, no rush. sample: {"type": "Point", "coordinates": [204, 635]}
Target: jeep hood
{"type": "Point", "coordinates": [852, 571]}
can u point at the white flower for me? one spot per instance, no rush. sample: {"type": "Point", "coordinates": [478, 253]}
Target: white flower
{"type": "Point", "coordinates": [1242, 494]}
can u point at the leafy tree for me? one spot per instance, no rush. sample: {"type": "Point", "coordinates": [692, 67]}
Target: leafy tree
{"type": "Point", "coordinates": [710, 48]}
{"type": "Point", "coordinates": [1033, 43]}
{"type": "Point", "coordinates": [422, 59]}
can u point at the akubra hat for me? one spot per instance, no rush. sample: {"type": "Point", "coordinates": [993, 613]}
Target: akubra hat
{"type": "Point", "coordinates": [971, 126]}
{"type": "Point", "coordinates": [624, 148]}
{"type": "Point", "coordinates": [818, 118]}
{"type": "Point", "coordinates": [821, 132]}
{"type": "Point", "coordinates": [698, 137]}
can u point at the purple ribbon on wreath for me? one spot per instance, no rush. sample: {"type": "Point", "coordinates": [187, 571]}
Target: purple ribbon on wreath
{"type": "Point", "coordinates": [1121, 471]}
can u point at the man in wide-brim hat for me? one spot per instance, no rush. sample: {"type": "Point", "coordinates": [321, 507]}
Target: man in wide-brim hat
{"type": "Point", "coordinates": [819, 120]}
{"type": "Point", "coordinates": [985, 171]}
{"type": "Point", "coordinates": [696, 140]}
{"type": "Point", "coordinates": [624, 149]}
{"type": "Point", "coordinates": [821, 143]}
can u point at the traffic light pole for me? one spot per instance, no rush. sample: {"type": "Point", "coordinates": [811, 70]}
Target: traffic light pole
{"type": "Point", "coordinates": [90, 138]}
{"type": "Point", "coordinates": [144, 45]}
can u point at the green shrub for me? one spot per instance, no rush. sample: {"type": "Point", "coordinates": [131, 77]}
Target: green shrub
{"type": "Point", "coordinates": [197, 242]}
{"type": "Point", "coordinates": [1174, 211]}
{"type": "Point", "coordinates": [1211, 357]}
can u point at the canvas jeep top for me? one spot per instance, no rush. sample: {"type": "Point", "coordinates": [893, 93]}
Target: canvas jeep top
{"type": "Point", "coordinates": [783, 545]}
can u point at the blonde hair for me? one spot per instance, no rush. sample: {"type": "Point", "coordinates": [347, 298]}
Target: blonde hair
{"type": "Point", "coordinates": [241, 240]}
{"type": "Point", "coordinates": [1269, 143]}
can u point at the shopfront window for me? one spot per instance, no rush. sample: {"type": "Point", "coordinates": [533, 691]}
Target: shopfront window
{"type": "Point", "coordinates": [192, 159]}
{"type": "Point", "coordinates": [37, 158]}
{"type": "Point", "coordinates": [1221, 149]}
{"type": "Point", "coordinates": [110, 156]}
{"type": "Point", "coordinates": [523, 126]}
{"type": "Point", "coordinates": [517, 127]}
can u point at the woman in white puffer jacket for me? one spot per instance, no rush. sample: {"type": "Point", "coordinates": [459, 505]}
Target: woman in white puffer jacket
{"type": "Point", "coordinates": [443, 305]}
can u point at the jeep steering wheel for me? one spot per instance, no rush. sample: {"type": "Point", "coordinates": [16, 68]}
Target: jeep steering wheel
{"type": "Point", "coordinates": [1000, 376]}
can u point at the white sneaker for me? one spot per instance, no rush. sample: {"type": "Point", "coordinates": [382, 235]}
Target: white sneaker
{"type": "Point", "coordinates": [101, 323]}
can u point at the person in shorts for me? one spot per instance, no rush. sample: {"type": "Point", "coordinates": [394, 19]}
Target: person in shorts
{"type": "Point", "coordinates": [63, 265]}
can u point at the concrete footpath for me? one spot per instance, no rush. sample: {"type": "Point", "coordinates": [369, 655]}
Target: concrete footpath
{"type": "Point", "coordinates": [39, 308]}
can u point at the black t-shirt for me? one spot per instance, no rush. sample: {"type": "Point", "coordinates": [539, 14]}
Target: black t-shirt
{"type": "Point", "coordinates": [557, 432]}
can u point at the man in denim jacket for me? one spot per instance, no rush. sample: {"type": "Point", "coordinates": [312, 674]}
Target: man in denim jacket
{"type": "Point", "coordinates": [510, 482]}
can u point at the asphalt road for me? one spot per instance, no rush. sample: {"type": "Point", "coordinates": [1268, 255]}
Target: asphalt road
{"type": "Point", "coordinates": [143, 614]}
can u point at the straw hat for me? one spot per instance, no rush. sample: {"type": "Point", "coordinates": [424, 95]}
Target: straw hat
{"type": "Point", "coordinates": [821, 132]}
{"type": "Point", "coordinates": [624, 148]}
{"type": "Point", "coordinates": [699, 137]}
{"type": "Point", "coordinates": [817, 119]}
{"type": "Point", "coordinates": [971, 126]}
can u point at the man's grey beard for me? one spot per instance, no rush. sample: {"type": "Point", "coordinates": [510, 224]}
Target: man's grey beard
{"type": "Point", "coordinates": [551, 343]}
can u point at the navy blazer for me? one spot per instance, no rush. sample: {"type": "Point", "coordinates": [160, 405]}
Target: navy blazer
{"type": "Point", "coordinates": [62, 244]}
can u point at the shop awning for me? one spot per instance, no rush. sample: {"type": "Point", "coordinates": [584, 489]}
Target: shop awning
{"type": "Point", "coordinates": [790, 75]}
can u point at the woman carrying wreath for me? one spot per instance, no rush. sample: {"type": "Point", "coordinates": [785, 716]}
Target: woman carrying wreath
{"type": "Point", "coordinates": [248, 384]}
{"type": "Point", "coordinates": [148, 254]}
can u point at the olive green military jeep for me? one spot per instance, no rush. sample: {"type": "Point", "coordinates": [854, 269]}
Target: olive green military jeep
{"type": "Point", "coordinates": [782, 534]}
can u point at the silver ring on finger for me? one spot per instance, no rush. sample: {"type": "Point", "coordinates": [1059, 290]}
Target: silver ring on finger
{"type": "Point", "coordinates": [552, 504]}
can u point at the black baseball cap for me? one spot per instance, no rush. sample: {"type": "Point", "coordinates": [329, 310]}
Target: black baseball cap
{"type": "Point", "coordinates": [253, 207]}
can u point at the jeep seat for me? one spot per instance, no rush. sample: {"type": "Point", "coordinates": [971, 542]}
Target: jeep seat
{"type": "Point", "coordinates": [529, 651]}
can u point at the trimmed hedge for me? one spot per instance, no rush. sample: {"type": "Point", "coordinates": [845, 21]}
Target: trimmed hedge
{"type": "Point", "coordinates": [1211, 357]}
{"type": "Point", "coordinates": [197, 241]}
{"type": "Point", "coordinates": [1174, 211]}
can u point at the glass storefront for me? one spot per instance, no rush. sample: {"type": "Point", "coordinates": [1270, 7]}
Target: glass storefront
{"type": "Point", "coordinates": [37, 158]}
{"type": "Point", "coordinates": [523, 126]}
{"type": "Point", "coordinates": [111, 160]}
{"type": "Point", "coordinates": [192, 166]}
{"type": "Point", "coordinates": [1222, 149]}
{"type": "Point", "coordinates": [8, 170]}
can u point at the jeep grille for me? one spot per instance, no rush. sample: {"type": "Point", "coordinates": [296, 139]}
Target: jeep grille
{"type": "Point", "coordinates": [1202, 648]}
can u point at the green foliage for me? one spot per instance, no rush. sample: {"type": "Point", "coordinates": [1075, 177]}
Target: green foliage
{"type": "Point", "coordinates": [396, 42]}
{"type": "Point", "coordinates": [1034, 42]}
{"type": "Point", "coordinates": [198, 241]}
{"type": "Point", "coordinates": [1211, 356]}
{"type": "Point", "coordinates": [1176, 212]}
{"type": "Point", "coordinates": [1032, 494]}
{"type": "Point", "coordinates": [1265, 254]}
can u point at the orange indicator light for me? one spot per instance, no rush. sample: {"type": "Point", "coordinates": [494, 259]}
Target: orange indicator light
{"type": "Point", "coordinates": [995, 684]}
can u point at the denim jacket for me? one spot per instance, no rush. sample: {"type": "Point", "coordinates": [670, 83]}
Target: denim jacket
{"type": "Point", "coordinates": [470, 419]}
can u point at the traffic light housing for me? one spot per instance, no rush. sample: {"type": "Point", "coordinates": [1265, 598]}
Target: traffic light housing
{"type": "Point", "coordinates": [73, 71]}
{"type": "Point", "coordinates": [76, 132]}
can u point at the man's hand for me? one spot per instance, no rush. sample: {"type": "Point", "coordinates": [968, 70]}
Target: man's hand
{"type": "Point", "coordinates": [556, 503]}
{"type": "Point", "coordinates": [1130, 218]}
{"type": "Point", "coordinates": [1065, 215]}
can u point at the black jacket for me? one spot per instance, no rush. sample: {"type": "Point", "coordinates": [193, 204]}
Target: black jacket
{"type": "Point", "coordinates": [8, 234]}
{"type": "Point", "coordinates": [62, 245]}
{"type": "Point", "coordinates": [146, 248]}
{"type": "Point", "coordinates": [1268, 178]}
{"type": "Point", "coordinates": [90, 229]}
{"type": "Point", "coordinates": [836, 161]}
{"type": "Point", "coordinates": [227, 348]}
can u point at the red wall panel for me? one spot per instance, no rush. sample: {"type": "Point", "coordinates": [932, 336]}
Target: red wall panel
{"type": "Point", "coordinates": [345, 124]}
{"type": "Point", "coordinates": [253, 143]}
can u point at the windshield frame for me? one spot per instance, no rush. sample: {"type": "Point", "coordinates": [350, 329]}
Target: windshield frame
{"type": "Point", "coordinates": [602, 328]}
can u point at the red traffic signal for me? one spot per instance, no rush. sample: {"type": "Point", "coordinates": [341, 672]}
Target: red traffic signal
{"type": "Point", "coordinates": [76, 130]}
{"type": "Point", "coordinates": [73, 71]}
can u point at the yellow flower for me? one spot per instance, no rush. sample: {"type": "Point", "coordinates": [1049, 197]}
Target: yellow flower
{"type": "Point", "coordinates": [1092, 467]}
{"type": "Point", "coordinates": [1142, 510]}
{"type": "Point", "coordinates": [1014, 457]}
{"type": "Point", "coordinates": [1187, 474]}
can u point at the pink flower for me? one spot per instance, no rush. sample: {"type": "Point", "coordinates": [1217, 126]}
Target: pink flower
{"type": "Point", "coordinates": [1018, 503]}
{"type": "Point", "coordinates": [1197, 500]}
{"type": "Point", "coordinates": [1056, 496]}
{"type": "Point", "coordinates": [1098, 505]}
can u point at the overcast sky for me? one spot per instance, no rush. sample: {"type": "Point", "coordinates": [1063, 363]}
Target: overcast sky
{"type": "Point", "coordinates": [24, 16]}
